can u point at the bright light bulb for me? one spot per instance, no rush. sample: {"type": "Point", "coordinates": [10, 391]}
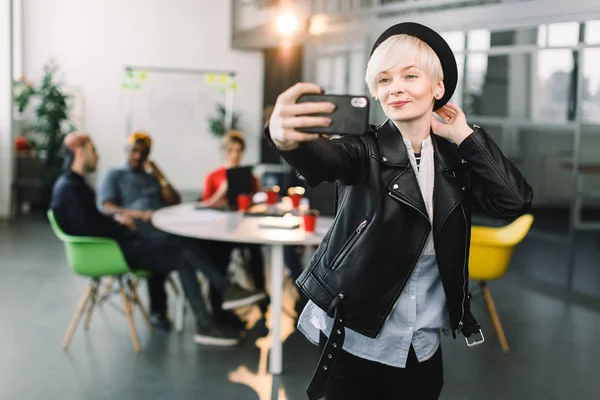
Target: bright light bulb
{"type": "Point", "coordinates": [287, 23]}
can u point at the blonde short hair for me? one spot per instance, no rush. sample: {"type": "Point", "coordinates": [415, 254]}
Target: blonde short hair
{"type": "Point", "coordinates": [398, 48]}
{"type": "Point", "coordinates": [232, 137]}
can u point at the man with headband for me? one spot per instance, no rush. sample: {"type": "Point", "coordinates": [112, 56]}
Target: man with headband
{"type": "Point", "coordinates": [137, 189]}
{"type": "Point", "coordinates": [74, 206]}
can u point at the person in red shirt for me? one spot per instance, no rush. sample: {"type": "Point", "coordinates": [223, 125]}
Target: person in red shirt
{"type": "Point", "coordinates": [215, 195]}
{"type": "Point", "coordinates": [215, 184]}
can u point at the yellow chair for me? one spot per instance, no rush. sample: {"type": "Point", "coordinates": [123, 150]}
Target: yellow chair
{"type": "Point", "coordinates": [491, 252]}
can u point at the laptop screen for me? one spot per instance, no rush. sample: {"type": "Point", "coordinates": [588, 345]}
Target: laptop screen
{"type": "Point", "coordinates": [239, 181]}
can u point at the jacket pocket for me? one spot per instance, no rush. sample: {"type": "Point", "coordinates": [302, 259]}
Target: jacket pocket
{"type": "Point", "coordinates": [348, 244]}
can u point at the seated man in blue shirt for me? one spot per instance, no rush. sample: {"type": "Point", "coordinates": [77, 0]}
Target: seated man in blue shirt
{"type": "Point", "coordinates": [136, 190]}
{"type": "Point", "coordinates": [74, 206]}
{"type": "Point", "coordinates": [139, 188]}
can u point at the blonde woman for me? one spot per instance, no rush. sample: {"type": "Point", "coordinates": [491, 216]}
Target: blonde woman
{"type": "Point", "coordinates": [392, 273]}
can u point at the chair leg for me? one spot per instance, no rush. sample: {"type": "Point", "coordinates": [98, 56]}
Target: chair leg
{"type": "Point", "coordinates": [494, 316]}
{"type": "Point", "coordinates": [136, 301]}
{"type": "Point", "coordinates": [173, 285]}
{"type": "Point", "coordinates": [93, 294]}
{"type": "Point", "coordinates": [107, 291]}
{"type": "Point", "coordinates": [129, 315]}
{"type": "Point", "coordinates": [76, 317]}
{"type": "Point", "coordinates": [179, 312]}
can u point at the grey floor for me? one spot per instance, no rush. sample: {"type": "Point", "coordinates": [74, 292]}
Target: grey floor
{"type": "Point", "coordinates": [554, 335]}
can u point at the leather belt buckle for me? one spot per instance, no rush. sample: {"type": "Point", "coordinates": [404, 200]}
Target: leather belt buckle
{"type": "Point", "coordinates": [475, 339]}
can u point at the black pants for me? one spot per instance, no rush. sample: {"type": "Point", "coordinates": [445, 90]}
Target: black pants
{"type": "Point", "coordinates": [220, 253]}
{"type": "Point", "coordinates": [160, 253]}
{"type": "Point", "coordinates": [157, 293]}
{"type": "Point", "coordinates": [354, 378]}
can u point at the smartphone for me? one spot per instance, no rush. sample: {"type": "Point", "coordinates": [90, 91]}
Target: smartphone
{"type": "Point", "coordinates": [350, 117]}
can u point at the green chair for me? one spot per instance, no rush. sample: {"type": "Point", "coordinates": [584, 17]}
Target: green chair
{"type": "Point", "coordinates": [98, 258]}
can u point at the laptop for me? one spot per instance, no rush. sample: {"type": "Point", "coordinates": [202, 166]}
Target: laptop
{"type": "Point", "coordinates": [239, 181]}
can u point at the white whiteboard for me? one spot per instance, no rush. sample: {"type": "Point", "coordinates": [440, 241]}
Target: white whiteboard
{"type": "Point", "coordinates": [174, 109]}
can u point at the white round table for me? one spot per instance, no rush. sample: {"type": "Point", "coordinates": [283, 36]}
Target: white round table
{"type": "Point", "coordinates": [233, 226]}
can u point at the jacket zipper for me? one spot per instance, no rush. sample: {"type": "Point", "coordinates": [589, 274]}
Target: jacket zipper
{"type": "Point", "coordinates": [348, 245]}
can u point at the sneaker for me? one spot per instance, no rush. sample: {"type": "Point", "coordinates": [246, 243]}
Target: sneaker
{"type": "Point", "coordinates": [160, 321]}
{"type": "Point", "coordinates": [229, 319]}
{"type": "Point", "coordinates": [215, 335]}
{"type": "Point", "coordinates": [237, 297]}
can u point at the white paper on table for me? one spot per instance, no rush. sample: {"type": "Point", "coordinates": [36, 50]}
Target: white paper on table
{"type": "Point", "coordinates": [206, 215]}
{"type": "Point", "coordinates": [279, 223]}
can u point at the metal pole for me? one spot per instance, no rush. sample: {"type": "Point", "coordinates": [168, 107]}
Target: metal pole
{"type": "Point", "coordinates": [229, 97]}
{"type": "Point", "coordinates": [575, 199]}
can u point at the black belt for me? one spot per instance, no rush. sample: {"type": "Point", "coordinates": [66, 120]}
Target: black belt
{"type": "Point", "coordinates": [331, 351]}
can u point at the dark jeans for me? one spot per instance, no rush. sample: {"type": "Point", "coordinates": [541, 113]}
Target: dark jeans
{"type": "Point", "coordinates": [354, 378]}
{"type": "Point", "coordinates": [160, 252]}
{"type": "Point", "coordinates": [220, 254]}
{"type": "Point", "coordinates": [157, 293]}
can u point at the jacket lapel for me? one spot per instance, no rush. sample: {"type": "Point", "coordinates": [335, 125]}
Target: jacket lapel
{"type": "Point", "coordinates": [448, 190]}
{"type": "Point", "coordinates": [404, 187]}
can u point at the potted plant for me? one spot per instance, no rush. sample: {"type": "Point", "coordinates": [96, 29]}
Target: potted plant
{"type": "Point", "coordinates": [218, 123]}
{"type": "Point", "coordinates": [50, 123]}
{"type": "Point", "coordinates": [23, 91]}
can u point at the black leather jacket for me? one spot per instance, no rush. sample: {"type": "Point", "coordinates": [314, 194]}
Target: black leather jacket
{"type": "Point", "coordinates": [381, 223]}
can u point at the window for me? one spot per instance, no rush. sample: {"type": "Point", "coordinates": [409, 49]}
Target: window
{"type": "Point", "coordinates": [591, 86]}
{"type": "Point", "coordinates": [478, 40]}
{"type": "Point", "coordinates": [559, 35]}
{"type": "Point", "coordinates": [555, 85]}
{"type": "Point", "coordinates": [592, 32]}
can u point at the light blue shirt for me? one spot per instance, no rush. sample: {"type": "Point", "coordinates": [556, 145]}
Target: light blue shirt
{"type": "Point", "coordinates": [417, 318]}
{"type": "Point", "coordinates": [130, 188]}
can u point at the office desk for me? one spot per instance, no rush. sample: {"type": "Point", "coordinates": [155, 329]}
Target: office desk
{"type": "Point", "coordinates": [231, 226]}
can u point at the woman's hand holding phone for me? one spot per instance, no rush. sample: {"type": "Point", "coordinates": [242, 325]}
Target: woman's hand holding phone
{"type": "Point", "coordinates": [288, 115]}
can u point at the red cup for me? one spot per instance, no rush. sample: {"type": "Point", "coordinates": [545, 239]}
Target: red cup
{"type": "Point", "coordinates": [244, 201]}
{"type": "Point", "coordinates": [295, 198]}
{"type": "Point", "coordinates": [310, 222]}
{"type": "Point", "coordinates": [271, 197]}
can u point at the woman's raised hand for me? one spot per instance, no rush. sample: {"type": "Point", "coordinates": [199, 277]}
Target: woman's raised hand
{"type": "Point", "coordinates": [289, 115]}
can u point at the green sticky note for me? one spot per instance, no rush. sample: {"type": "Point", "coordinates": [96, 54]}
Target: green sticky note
{"type": "Point", "coordinates": [137, 86]}
{"type": "Point", "coordinates": [130, 73]}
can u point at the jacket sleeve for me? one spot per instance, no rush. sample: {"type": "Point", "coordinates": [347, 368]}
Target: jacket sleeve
{"type": "Point", "coordinates": [327, 160]}
{"type": "Point", "coordinates": [84, 213]}
{"type": "Point", "coordinates": [496, 183]}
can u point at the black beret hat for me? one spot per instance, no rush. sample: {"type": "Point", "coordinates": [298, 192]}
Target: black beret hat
{"type": "Point", "coordinates": [439, 46]}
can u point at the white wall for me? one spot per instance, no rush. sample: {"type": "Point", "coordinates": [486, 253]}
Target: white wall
{"type": "Point", "coordinates": [92, 40]}
{"type": "Point", "coordinates": [6, 163]}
